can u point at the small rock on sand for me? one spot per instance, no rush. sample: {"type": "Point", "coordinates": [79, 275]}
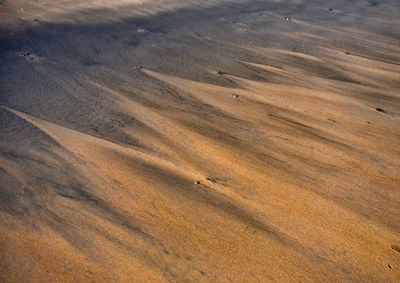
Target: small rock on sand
{"type": "Point", "coordinates": [211, 180]}
{"type": "Point", "coordinates": [395, 248]}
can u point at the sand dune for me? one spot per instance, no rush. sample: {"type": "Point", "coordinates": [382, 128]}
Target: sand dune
{"type": "Point", "coordinates": [213, 141]}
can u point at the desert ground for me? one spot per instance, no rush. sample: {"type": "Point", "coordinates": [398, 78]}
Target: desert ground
{"type": "Point", "coordinates": [199, 141]}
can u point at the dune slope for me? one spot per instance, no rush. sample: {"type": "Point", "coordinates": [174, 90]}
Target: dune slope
{"type": "Point", "coordinates": [244, 141]}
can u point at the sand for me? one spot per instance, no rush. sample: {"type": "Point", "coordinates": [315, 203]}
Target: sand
{"type": "Point", "coordinates": [211, 141]}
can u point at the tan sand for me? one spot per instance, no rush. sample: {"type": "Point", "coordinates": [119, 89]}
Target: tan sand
{"type": "Point", "coordinates": [212, 141]}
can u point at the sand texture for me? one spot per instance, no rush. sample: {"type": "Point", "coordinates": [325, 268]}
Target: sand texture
{"type": "Point", "coordinates": [200, 141]}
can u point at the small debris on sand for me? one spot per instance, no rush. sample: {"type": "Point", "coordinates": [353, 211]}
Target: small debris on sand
{"type": "Point", "coordinates": [234, 22]}
{"type": "Point", "coordinates": [395, 248]}
{"type": "Point", "coordinates": [348, 53]}
{"type": "Point", "coordinates": [287, 19]}
{"type": "Point", "coordinates": [197, 182]}
{"type": "Point", "coordinates": [211, 180]}
{"type": "Point", "coordinates": [235, 95]}
{"type": "Point", "coordinates": [28, 55]}
{"type": "Point", "coordinates": [330, 9]}
{"type": "Point", "coordinates": [220, 73]}
{"type": "Point", "coordinates": [139, 67]}
{"type": "Point", "coordinates": [389, 266]}
{"type": "Point", "coordinates": [380, 110]}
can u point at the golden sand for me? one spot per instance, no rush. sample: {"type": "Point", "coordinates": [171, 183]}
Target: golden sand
{"type": "Point", "coordinates": [184, 141]}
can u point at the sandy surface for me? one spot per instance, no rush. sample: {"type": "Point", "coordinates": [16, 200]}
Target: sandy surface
{"type": "Point", "coordinates": [212, 141]}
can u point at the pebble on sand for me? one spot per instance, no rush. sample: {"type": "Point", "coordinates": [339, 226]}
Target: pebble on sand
{"type": "Point", "coordinates": [395, 248]}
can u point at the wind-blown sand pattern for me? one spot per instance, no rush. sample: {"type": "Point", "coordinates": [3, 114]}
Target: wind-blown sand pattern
{"type": "Point", "coordinates": [212, 141]}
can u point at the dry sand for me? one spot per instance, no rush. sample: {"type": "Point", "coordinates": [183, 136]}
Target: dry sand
{"type": "Point", "coordinates": [213, 141]}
